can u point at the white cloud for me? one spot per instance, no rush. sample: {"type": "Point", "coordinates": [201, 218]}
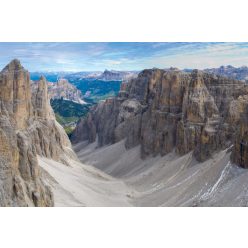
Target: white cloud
{"type": "Point", "coordinates": [123, 56]}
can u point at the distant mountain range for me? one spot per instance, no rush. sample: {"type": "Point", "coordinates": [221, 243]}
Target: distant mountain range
{"type": "Point", "coordinates": [89, 86]}
{"type": "Point", "coordinates": [107, 75]}
{"type": "Point", "coordinates": [117, 75]}
{"type": "Point", "coordinates": [239, 73]}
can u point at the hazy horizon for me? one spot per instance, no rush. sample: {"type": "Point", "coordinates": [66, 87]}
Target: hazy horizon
{"type": "Point", "coordinates": [122, 56]}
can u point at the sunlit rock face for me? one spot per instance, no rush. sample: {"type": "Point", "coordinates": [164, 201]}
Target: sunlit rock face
{"type": "Point", "coordinates": [63, 89]}
{"type": "Point", "coordinates": [27, 129]}
{"type": "Point", "coordinates": [165, 110]}
{"type": "Point", "coordinates": [15, 93]}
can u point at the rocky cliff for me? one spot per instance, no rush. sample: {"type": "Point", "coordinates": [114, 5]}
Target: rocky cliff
{"type": "Point", "coordinates": [240, 150]}
{"type": "Point", "coordinates": [27, 129]}
{"type": "Point", "coordinates": [63, 89]}
{"type": "Point", "coordinates": [165, 110]}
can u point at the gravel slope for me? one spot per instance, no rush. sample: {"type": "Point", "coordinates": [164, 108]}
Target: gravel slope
{"type": "Point", "coordinates": [114, 176]}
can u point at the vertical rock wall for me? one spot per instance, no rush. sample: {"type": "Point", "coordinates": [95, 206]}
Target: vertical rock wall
{"type": "Point", "coordinates": [27, 129]}
{"type": "Point", "coordinates": [166, 110]}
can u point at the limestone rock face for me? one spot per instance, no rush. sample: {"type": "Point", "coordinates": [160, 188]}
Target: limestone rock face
{"type": "Point", "coordinates": [163, 110]}
{"type": "Point", "coordinates": [64, 89]}
{"type": "Point", "coordinates": [15, 93]}
{"type": "Point", "coordinates": [239, 113]}
{"type": "Point", "coordinates": [89, 128]}
{"type": "Point", "coordinates": [40, 101]}
{"type": "Point", "coordinates": [27, 129]}
{"type": "Point", "coordinates": [47, 135]}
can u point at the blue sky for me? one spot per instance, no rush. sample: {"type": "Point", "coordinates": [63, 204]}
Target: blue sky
{"type": "Point", "coordinates": [123, 55]}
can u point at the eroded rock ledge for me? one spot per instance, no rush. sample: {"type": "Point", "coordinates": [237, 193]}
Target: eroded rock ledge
{"type": "Point", "coordinates": [164, 110]}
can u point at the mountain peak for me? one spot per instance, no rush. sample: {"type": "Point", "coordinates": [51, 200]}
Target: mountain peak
{"type": "Point", "coordinates": [15, 64]}
{"type": "Point", "coordinates": [42, 78]}
{"type": "Point", "coordinates": [42, 84]}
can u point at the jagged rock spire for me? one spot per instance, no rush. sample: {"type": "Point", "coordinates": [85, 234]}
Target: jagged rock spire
{"type": "Point", "coordinates": [40, 100]}
{"type": "Point", "coordinates": [15, 92]}
{"type": "Point", "coordinates": [14, 65]}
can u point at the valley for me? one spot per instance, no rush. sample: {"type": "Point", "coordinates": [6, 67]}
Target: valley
{"type": "Point", "coordinates": [164, 138]}
{"type": "Point", "coordinates": [68, 113]}
{"type": "Point", "coordinates": [113, 176]}
{"type": "Point", "coordinates": [71, 100]}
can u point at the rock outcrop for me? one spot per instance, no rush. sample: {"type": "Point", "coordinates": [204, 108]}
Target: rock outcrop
{"type": "Point", "coordinates": [48, 136]}
{"type": "Point", "coordinates": [239, 110]}
{"type": "Point", "coordinates": [15, 93]}
{"type": "Point", "coordinates": [62, 89]}
{"type": "Point", "coordinates": [163, 110]}
{"type": "Point", "coordinates": [27, 129]}
{"type": "Point", "coordinates": [40, 101]}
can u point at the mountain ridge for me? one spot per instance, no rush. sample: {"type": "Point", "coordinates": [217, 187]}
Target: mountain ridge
{"type": "Point", "coordinates": [62, 89]}
{"type": "Point", "coordinates": [169, 138]}
{"type": "Point", "coordinates": [239, 73]}
{"type": "Point", "coordinates": [164, 110]}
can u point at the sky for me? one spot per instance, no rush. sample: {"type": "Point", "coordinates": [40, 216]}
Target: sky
{"type": "Point", "coordinates": [91, 56]}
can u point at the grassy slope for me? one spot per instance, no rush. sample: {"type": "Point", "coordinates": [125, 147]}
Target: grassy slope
{"type": "Point", "coordinates": [68, 113]}
{"type": "Point", "coordinates": [99, 90]}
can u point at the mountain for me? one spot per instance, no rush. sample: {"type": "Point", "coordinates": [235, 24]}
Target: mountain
{"type": "Point", "coordinates": [97, 86]}
{"type": "Point", "coordinates": [37, 164]}
{"type": "Point", "coordinates": [169, 138]}
{"type": "Point", "coordinates": [28, 129]}
{"type": "Point", "coordinates": [171, 110]}
{"type": "Point", "coordinates": [117, 75]}
{"type": "Point", "coordinates": [67, 102]}
{"type": "Point", "coordinates": [174, 138]}
{"type": "Point", "coordinates": [51, 76]}
{"type": "Point", "coordinates": [94, 86]}
{"type": "Point", "coordinates": [239, 73]}
{"type": "Point", "coordinates": [107, 75]}
{"type": "Point", "coordinates": [83, 75]}
{"type": "Point", "coordinates": [63, 89]}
